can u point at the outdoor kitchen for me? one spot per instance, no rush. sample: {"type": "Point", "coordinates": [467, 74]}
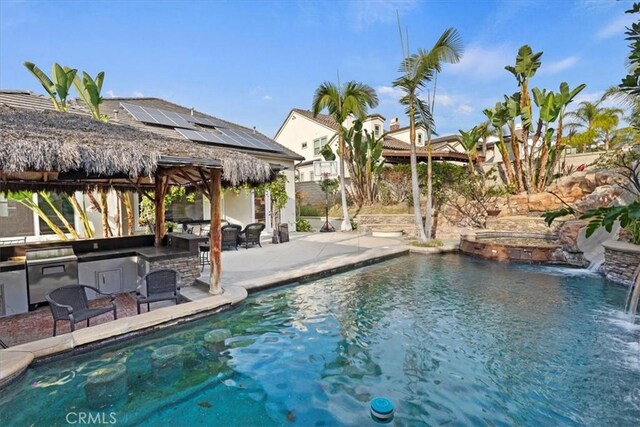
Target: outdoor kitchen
{"type": "Point", "coordinates": [30, 271]}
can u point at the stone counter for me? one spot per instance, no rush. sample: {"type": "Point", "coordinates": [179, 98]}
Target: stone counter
{"type": "Point", "coordinates": [621, 259]}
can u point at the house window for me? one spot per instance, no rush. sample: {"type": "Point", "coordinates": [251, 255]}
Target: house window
{"type": "Point", "coordinates": [376, 130]}
{"type": "Point", "coordinates": [301, 176]}
{"type": "Point", "coordinates": [318, 144]}
{"type": "Point", "coordinates": [62, 206]}
{"type": "Point", "coordinates": [311, 176]}
{"type": "Point", "coordinates": [419, 138]}
{"type": "Point", "coordinates": [304, 145]}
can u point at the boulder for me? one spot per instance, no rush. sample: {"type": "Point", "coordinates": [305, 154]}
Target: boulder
{"type": "Point", "coordinates": [602, 197]}
{"type": "Point", "coordinates": [542, 202]}
{"type": "Point", "coordinates": [568, 234]}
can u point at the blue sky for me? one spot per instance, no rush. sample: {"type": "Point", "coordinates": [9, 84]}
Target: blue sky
{"type": "Point", "coordinates": [252, 61]}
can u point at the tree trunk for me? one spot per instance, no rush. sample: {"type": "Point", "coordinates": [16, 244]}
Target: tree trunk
{"type": "Point", "coordinates": [104, 206]}
{"type": "Point", "coordinates": [159, 208]}
{"type": "Point", "coordinates": [131, 226]}
{"type": "Point", "coordinates": [346, 223]}
{"type": "Point", "coordinates": [429, 214]}
{"type": "Point", "coordinates": [215, 240]}
{"type": "Point", "coordinates": [415, 187]}
{"type": "Point", "coordinates": [515, 148]}
{"type": "Point", "coordinates": [506, 161]}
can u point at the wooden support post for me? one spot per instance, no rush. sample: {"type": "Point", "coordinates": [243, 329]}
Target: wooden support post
{"type": "Point", "coordinates": [159, 206]}
{"type": "Point", "coordinates": [215, 241]}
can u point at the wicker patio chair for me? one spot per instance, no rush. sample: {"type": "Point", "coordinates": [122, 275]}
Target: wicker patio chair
{"type": "Point", "coordinates": [251, 235]}
{"type": "Point", "coordinates": [230, 233]}
{"type": "Point", "coordinates": [70, 303]}
{"type": "Point", "coordinates": [160, 285]}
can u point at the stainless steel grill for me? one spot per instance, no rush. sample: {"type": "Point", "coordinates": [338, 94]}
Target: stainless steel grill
{"type": "Point", "coordinates": [48, 269]}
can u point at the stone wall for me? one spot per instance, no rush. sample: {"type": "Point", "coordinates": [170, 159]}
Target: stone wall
{"type": "Point", "coordinates": [621, 259]}
{"type": "Point", "coordinates": [188, 266]}
{"type": "Point", "coordinates": [528, 224]}
{"type": "Point", "coordinates": [404, 222]}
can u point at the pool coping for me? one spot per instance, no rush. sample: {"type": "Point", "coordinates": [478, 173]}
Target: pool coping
{"type": "Point", "coordinates": [15, 360]}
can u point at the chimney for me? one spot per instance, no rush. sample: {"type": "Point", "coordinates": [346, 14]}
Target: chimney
{"type": "Point", "coordinates": [192, 111]}
{"type": "Point", "coordinates": [395, 124]}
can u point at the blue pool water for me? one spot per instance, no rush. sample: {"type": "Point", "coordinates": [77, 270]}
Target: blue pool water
{"type": "Point", "coordinates": [449, 340]}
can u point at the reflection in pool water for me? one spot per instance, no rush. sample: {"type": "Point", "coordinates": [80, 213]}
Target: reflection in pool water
{"type": "Point", "coordinates": [448, 339]}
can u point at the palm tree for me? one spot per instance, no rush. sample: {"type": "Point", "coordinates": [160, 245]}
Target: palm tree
{"type": "Point", "coordinates": [596, 122]}
{"type": "Point", "coordinates": [469, 141]}
{"type": "Point", "coordinates": [342, 101]}
{"type": "Point", "coordinates": [418, 69]}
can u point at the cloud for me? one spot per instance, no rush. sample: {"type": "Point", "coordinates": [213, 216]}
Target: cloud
{"type": "Point", "coordinates": [557, 66]}
{"type": "Point", "coordinates": [444, 100]}
{"type": "Point", "coordinates": [388, 94]}
{"type": "Point", "coordinates": [587, 96]}
{"type": "Point", "coordinates": [464, 109]}
{"type": "Point", "coordinates": [138, 94]}
{"type": "Point", "coordinates": [615, 27]}
{"type": "Point", "coordinates": [111, 94]}
{"type": "Point", "coordinates": [267, 98]}
{"type": "Point", "coordinates": [375, 12]}
{"type": "Point", "coordinates": [261, 93]}
{"type": "Point", "coordinates": [484, 63]}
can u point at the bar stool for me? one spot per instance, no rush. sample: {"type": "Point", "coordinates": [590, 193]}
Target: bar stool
{"type": "Point", "coordinates": [204, 255]}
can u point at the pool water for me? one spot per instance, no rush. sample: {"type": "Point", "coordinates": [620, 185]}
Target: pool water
{"type": "Point", "coordinates": [448, 339]}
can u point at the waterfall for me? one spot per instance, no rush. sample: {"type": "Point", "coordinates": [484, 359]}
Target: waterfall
{"type": "Point", "coordinates": [592, 248]}
{"type": "Point", "coordinates": [631, 304]}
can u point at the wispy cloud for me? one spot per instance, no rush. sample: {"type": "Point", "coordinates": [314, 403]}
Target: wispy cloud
{"type": "Point", "coordinates": [464, 109]}
{"type": "Point", "coordinates": [484, 63]}
{"type": "Point", "coordinates": [111, 94]}
{"type": "Point", "coordinates": [138, 94]}
{"type": "Point", "coordinates": [615, 27]}
{"type": "Point", "coordinates": [260, 93]}
{"type": "Point", "coordinates": [389, 94]}
{"type": "Point", "coordinates": [557, 66]}
{"type": "Point", "coordinates": [375, 12]}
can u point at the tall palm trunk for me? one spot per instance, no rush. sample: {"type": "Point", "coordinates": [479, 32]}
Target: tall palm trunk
{"type": "Point", "coordinates": [126, 200]}
{"type": "Point", "coordinates": [346, 222]}
{"type": "Point", "coordinates": [415, 187]}
{"type": "Point", "coordinates": [106, 228]}
{"type": "Point", "coordinates": [515, 148]}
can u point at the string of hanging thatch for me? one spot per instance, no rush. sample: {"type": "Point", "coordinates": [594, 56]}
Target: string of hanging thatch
{"type": "Point", "coordinates": [48, 141]}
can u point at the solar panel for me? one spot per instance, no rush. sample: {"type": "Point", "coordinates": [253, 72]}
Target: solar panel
{"type": "Point", "coordinates": [205, 121]}
{"type": "Point", "coordinates": [157, 116]}
{"type": "Point", "coordinates": [208, 137]}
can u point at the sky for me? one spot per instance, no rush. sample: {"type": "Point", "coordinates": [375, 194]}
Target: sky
{"type": "Point", "coordinates": [251, 62]}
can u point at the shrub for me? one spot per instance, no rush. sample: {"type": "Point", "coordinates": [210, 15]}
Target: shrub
{"type": "Point", "coordinates": [303, 225]}
{"type": "Point", "coordinates": [310, 210]}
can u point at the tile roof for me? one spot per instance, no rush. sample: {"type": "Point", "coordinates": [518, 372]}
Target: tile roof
{"type": "Point", "coordinates": [323, 119]}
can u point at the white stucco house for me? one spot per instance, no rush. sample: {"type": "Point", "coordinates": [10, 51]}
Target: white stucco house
{"type": "Point", "coordinates": [162, 117]}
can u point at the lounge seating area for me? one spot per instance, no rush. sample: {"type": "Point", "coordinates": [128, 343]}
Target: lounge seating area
{"type": "Point", "coordinates": [233, 235]}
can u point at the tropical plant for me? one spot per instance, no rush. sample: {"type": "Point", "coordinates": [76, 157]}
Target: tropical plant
{"type": "Point", "coordinates": [303, 226]}
{"type": "Point", "coordinates": [498, 117]}
{"type": "Point", "coordinates": [342, 101]}
{"type": "Point", "coordinates": [58, 89]}
{"type": "Point", "coordinates": [416, 71]}
{"type": "Point", "coordinates": [469, 141]}
{"type": "Point", "coordinates": [26, 199]}
{"type": "Point", "coordinates": [365, 152]}
{"type": "Point", "coordinates": [597, 124]}
{"type": "Point", "coordinates": [631, 82]}
{"type": "Point", "coordinates": [89, 90]}
{"type": "Point", "coordinates": [277, 189]}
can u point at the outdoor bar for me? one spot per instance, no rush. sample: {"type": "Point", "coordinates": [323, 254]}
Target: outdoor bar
{"type": "Point", "coordinates": [65, 153]}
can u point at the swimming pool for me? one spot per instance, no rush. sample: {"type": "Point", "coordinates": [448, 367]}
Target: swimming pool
{"type": "Point", "coordinates": [449, 339]}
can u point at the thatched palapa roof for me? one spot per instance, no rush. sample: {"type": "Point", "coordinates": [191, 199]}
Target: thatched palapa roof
{"type": "Point", "coordinates": [65, 151]}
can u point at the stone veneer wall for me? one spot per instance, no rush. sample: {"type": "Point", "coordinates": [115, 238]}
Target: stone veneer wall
{"type": "Point", "coordinates": [188, 266]}
{"type": "Point", "coordinates": [528, 224]}
{"type": "Point", "coordinates": [621, 259]}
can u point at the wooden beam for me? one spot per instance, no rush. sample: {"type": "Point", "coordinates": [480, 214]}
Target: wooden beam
{"type": "Point", "coordinates": [205, 189]}
{"type": "Point", "coordinates": [215, 241]}
{"type": "Point", "coordinates": [159, 206]}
